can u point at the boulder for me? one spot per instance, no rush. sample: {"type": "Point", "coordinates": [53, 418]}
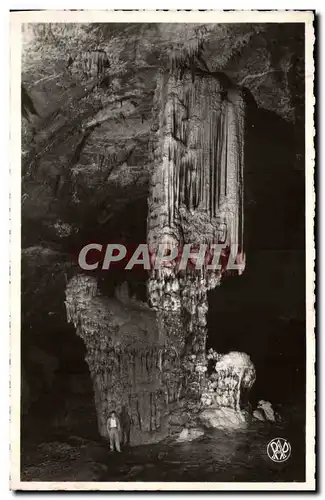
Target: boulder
{"type": "Point", "coordinates": [259, 415]}
{"type": "Point", "coordinates": [266, 407]}
{"type": "Point", "coordinates": [224, 418]}
{"type": "Point", "coordinates": [189, 435]}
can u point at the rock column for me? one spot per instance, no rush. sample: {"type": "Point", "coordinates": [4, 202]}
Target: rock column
{"type": "Point", "coordinates": [196, 198]}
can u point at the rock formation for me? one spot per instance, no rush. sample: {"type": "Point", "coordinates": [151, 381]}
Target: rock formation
{"type": "Point", "coordinates": [266, 408]}
{"type": "Point", "coordinates": [139, 358]}
{"type": "Point", "coordinates": [109, 110]}
{"type": "Point", "coordinates": [196, 198]}
{"type": "Point", "coordinates": [128, 363]}
{"type": "Point", "coordinates": [225, 391]}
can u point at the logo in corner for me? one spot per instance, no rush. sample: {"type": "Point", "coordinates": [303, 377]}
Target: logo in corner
{"type": "Point", "coordinates": [279, 450]}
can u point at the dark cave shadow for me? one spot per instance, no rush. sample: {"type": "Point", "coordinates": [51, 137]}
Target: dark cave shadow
{"type": "Point", "coordinates": [62, 404]}
{"type": "Point", "coordinates": [128, 227]}
{"type": "Point", "coordinates": [251, 313]}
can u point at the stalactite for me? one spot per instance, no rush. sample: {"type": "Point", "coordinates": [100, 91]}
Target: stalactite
{"type": "Point", "coordinates": [201, 170]}
{"type": "Point", "coordinates": [122, 374]}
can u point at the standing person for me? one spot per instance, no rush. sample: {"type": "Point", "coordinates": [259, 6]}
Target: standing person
{"type": "Point", "coordinates": [125, 426]}
{"type": "Point", "coordinates": [114, 429]}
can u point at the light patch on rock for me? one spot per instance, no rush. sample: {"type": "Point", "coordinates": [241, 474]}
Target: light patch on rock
{"type": "Point", "coordinates": [224, 418]}
{"type": "Point", "coordinates": [63, 229]}
{"type": "Point", "coordinates": [259, 415]}
{"type": "Point", "coordinates": [234, 358]}
{"type": "Point", "coordinates": [189, 435]}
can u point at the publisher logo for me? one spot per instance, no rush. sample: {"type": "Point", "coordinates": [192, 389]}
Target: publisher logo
{"type": "Point", "coordinates": [279, 450]}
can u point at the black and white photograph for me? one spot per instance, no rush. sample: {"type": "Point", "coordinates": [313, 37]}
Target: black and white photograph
{"type": "Point", "coordinates": [162, 259]}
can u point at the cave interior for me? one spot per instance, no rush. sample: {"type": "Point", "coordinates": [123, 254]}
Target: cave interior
{"type": "Point", "coordinates": [260, 313]}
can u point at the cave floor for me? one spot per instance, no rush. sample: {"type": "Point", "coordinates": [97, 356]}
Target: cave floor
{"type": "Point", "coordinates": [217, 456]}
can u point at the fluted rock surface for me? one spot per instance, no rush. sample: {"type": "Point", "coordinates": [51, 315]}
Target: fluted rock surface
{"type": "Point", "coordinates": [196, 197]}
{"type": "Point", "coordinates": [129, 364]}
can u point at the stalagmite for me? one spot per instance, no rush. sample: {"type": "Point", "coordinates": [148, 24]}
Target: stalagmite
{"type": "Point", "coordinates": [123, 349]}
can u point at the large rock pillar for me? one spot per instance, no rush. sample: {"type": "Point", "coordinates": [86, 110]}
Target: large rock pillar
{"type": "Point", "coordinates": [130, 367]}
{"type": "Point", "coordinates": [196, 198]}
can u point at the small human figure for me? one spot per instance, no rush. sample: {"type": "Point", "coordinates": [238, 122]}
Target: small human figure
{"type": "Point", "coordinates": [114, 429]}
{"type": "Point", "coordinates": [125, 425]}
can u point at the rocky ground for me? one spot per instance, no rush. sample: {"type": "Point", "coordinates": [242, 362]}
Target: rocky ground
{"type": "Point", "coordinates": [217, 456]}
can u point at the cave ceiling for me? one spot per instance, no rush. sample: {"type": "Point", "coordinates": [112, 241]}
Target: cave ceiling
{"type": "Point", "coordinates": [87, 139]}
